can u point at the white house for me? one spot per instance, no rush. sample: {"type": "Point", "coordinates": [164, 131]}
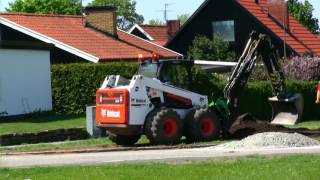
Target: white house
{"type": "Point", "coordinates": [29, 43]}
{"type": "Point", "coordinates": [25, 82]}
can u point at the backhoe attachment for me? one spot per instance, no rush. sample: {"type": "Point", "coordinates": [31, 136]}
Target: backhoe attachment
{"type": "Point", "coordinates": [286, 111]}
{"type": "Point", "coordinates": [287, 107]}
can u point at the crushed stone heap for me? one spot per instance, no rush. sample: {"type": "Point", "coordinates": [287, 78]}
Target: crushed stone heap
{"type": "Point", "coordinates": [271, 140]}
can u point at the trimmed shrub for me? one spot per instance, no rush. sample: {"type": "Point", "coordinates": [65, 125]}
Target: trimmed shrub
{"type": "Point", "coordinates": [255, 99]}
{"type": "Point", "coordinates": [308, 89]}
{"type": "Point", "coordinates": [74, 85]}
{"type": "Point", "coordinates": [259, 73]}
{"type": "Point", "coordinates": [207, 84]}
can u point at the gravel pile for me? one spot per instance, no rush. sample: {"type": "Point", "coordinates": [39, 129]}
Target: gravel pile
{"type": "Point", "coordinates": [271, 140]}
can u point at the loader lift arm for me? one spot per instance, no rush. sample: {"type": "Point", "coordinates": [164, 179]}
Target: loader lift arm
{"type": "Point", "coordinates": [258, 47]}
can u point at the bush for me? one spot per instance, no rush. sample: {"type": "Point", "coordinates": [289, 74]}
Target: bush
{"type": "Point", "coordinates": [74, 85]}
{"type": "Point", "coordinates": [207, 84]}
{"type": "Point", "coordinates": [204, 48]}
{"type": "Point", "coordinates": [303, 68]}
{"type": "Point", "coordinates": [255, 99]}
{"type": "Point", "coordinates": [297, 68]}
{"type": "Point", "coordinates": [259, 73]}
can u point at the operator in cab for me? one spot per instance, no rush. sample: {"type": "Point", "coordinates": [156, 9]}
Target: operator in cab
{"type": "Point", "coordinates": [318, 94]}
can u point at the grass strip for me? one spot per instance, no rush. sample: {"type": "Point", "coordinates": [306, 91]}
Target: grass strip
{"type": "Point", "coordinates": [38, 123]}
{"type": "Point", "coordinates": [290, 167]}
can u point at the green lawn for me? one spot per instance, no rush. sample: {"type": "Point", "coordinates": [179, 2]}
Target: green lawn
{"type": "Point", "coordinates": [307, 124]}
{"type": "Point", "coordinates": [80, 144]}
{"type": "Point", "coordinates": [282, 168]}
{"type": "Point", "coordinates": [41, 123]}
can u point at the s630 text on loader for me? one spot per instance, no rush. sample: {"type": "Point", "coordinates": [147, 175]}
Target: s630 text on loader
{"type": "Point", "coordinates": [159, 101]}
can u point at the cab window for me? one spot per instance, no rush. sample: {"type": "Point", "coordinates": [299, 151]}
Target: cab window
{"type": "Point", "coordinates": [148, 69]}
{"type": "Point", "coordinates": [176, 75]}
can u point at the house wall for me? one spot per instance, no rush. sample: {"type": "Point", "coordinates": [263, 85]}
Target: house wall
{"type": "Point", "coordinates": [25, 81]}
{"type": "Point", "coordinates": [220, 10]}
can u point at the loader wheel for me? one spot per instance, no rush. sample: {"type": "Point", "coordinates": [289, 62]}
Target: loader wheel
{"type": "Point", "coordinates": [124, 140]}
{"type": "Point", "coordinates": [202, 125]}
{"type": "Point", "coordinates": [163, 126]}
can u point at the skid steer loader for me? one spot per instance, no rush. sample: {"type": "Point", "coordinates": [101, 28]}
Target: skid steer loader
{"type": "Point", "coordinates": [159, 101]}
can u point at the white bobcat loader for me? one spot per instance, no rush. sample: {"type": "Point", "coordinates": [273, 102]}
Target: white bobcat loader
{"type": "Point", "coordinates": [159, 101]}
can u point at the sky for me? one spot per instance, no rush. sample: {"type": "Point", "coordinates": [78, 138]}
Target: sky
{"type": "Point", "coordinates": [152, 9]}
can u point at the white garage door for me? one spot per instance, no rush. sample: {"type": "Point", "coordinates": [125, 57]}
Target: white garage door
{"type": "Point", "coordinates": [25, 81]}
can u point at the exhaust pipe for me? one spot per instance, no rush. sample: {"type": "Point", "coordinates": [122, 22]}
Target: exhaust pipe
{"type": "Point", "coordinates": [287, 111]}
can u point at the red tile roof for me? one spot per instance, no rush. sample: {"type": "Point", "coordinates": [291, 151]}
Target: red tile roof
{"type": "Point", "coordinates": [71, 31]}
{"type": "Point", "coordinates": [300, 39]}
{"type": "Point", "coordinates": [158, 33]}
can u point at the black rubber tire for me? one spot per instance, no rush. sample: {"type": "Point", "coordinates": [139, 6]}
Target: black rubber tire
{"type": "Point", "coordinates": [195, 130]}
{"type": "Point", "coordinates": [123, 140]}
{"type": "Point", "coordinates": [155, 128]}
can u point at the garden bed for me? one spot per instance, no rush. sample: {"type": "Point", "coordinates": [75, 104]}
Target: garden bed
{"type": "Point", "coordinates": [44, 136]}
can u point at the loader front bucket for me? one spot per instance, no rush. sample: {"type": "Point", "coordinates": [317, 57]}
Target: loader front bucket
{"type": "Point", "coordinates": [287, 111]}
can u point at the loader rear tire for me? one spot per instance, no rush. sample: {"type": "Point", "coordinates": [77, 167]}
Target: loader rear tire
{"type": "Point", "coordinates": [202, 125]}
{"type": "Point", "coordinates": [124, 140]}
{"type": "Point", "coordinates": [164, 126]}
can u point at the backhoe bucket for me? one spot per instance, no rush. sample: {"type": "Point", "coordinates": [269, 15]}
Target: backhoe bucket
{"type": "Point", "coordinates": [287, 111]}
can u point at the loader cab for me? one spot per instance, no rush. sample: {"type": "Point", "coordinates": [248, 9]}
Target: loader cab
{"type": "Point", "coordinates": [172, 72]}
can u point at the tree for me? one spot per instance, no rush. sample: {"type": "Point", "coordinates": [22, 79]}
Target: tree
{"type": "Point", "coordinates": [303, 13]}
{"type": "Point", "coordinates": [207, 49]}
{"type": "Point", "coordinates": [126, 10]}
{"type": "Point", "coordinates": [68, 7]}
{"type": "Point", "coordinates": [156, 22]}
{"type": "Point", "coordinates": [183, 18]}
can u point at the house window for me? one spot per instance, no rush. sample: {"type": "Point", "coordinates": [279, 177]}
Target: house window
{"type": "Point", "coordinates": [224, 29]}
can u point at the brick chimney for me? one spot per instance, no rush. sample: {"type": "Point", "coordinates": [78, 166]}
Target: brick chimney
{"type": "Point", "coordinates": [278, 10]}
{"type": "Point", "coordinates": [172, 27]}
{"type": "Point", "coordinates": [102, 18]}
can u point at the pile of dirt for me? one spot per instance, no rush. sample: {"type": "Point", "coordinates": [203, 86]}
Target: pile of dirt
{"type": "Point", "coordinates": [271, 140]}
{"type": "Point", "coordinates": [247, 125]}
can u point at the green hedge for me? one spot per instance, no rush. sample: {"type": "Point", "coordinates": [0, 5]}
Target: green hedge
{"type": "Point", "coordinates": [75, 85]}
{"type": "Point", "coordinates": [255, 98]}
